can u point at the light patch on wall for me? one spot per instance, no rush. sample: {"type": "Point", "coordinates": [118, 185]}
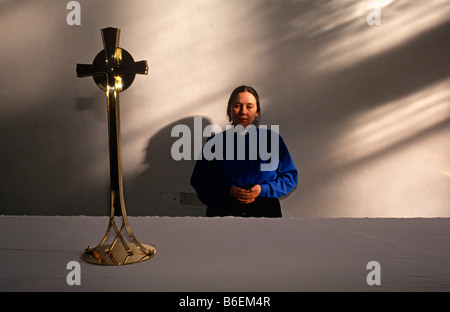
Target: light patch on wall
{"type": "Point", "coordinates": [357, 41]}
{"type": "Point", "coordinates": [383, 127]}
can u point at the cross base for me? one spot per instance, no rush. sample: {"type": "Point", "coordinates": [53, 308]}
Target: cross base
{"type": "Point", "coordinates": [117, 256]}
{"type": "Point", "coordinates": [119, 251]}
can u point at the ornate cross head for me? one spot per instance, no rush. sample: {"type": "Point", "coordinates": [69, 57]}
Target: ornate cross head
{"type": "Point", "coordinates": [113, 69]}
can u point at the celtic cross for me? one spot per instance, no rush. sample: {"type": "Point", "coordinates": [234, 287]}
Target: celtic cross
{"type": "Point", "coordinates": [113, 70]}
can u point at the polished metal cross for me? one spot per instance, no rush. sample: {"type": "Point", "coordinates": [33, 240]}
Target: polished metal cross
{"type": "Point", "coordinates": [113, 70]}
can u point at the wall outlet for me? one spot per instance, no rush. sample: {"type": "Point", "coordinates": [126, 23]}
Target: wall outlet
{"type": "Point", "coordinates": [175, 199]}
{"type": "Point", "coordinates": [190, 199]}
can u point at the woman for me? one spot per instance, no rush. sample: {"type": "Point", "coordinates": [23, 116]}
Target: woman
{"type": "Point", "coordinates": [238, 186]}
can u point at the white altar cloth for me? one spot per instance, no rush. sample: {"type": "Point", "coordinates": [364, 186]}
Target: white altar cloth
{"type": "Point", "coordinates": [196, 254]}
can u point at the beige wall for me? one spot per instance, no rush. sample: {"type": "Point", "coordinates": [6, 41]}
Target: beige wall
{"type": "Point", "coordinates": [364, 110]}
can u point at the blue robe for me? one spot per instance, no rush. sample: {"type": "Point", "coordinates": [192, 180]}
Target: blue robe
{"type": "Point", "coordinates": [213, 179]}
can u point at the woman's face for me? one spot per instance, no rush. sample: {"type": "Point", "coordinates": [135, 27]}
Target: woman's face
{"type": "Point", "coordinates": [244, 109]}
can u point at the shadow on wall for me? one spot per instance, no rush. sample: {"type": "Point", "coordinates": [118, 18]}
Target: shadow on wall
{"type": "Point", "coordinates": [163, 188]}
{"type": "Point", "coordinates": [397, 82]}
{"type": "Point", "coordinates": [379, 81]}
{"type": "Point", "coordinates": [326, 103]}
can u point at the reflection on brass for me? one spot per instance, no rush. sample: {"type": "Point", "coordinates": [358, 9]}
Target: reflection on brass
{"type": "Point", "coordinates": [113, 70]}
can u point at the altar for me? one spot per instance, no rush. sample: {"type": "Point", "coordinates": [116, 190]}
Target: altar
{"type": "Point", "coordinates": [197, 254]}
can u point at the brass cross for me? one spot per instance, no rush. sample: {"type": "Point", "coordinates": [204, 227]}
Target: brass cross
{"type": "Point", "coordinates": [113, 70]}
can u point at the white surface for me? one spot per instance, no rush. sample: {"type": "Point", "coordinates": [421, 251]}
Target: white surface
{"type": "Point", "coordinates": [231, 254]}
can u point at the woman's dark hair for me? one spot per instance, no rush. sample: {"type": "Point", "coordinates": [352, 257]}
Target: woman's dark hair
{"type": "Point", "coordinates": [234, 95]}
